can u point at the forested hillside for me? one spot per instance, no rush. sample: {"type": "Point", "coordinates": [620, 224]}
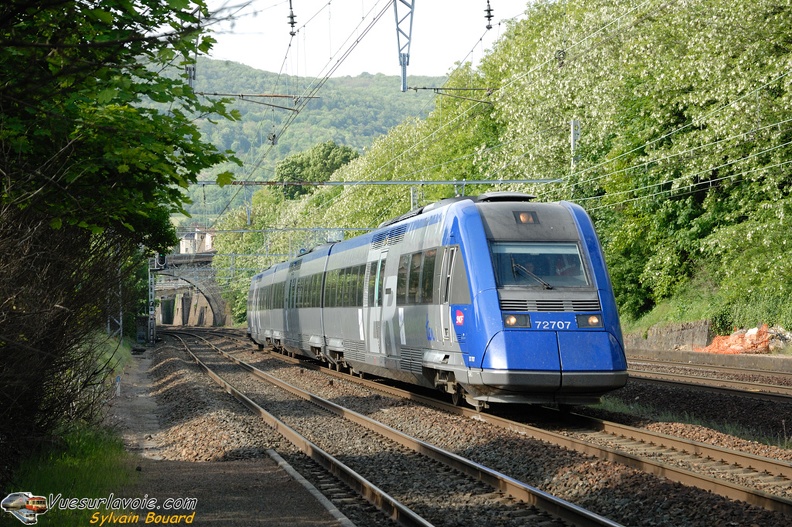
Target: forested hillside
{"type": "Point", "coordinates": [683, 156]}
{"type": "Point", "coordinates": [349, 111]}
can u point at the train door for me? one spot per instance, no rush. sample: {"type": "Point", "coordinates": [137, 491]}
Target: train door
{"type": "Point", "coordinates": [292, 323]}
{"type": "Point", "coordinates": [457, 316]}
{"type": "Point", "coordinates": [254, 311]}
{"type": "Point", "coordinates": [446, 318]}
{"type": "Point", "coordinates": [376, 276]}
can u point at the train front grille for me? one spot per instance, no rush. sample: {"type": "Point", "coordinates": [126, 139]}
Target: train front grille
{"type": "Point", "coordinates": [550, 305]}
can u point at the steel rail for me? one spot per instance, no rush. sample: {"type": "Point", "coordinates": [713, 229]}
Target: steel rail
{"type": "Point", "coordinates": [552, 504]}
{"type": "Point", "coordinates": [711, 367]}
{"type": "Point", "coordinates": [373, 494]}
{"type": "Point", "coordinates": [773, 393]}
{"type": "Point", "coordinates": [649, 465]}
{"type": "Point", "coordinates": [774, 467]}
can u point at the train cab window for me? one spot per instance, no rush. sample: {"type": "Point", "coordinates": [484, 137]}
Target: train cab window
{"type": "Point", "coordinates": [545, 265]}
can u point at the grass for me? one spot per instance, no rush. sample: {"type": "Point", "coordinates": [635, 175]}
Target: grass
{"type": "Point", "coordinates": [90, 464]}
{"type": "Point", "coordinates": [698, 299]}
{"type": "Point", "coordinates": [86, 462]}
{"type": "Point", "coordinates": [611, 404]}
{"type": "Point", "coordinates": [697, 302]}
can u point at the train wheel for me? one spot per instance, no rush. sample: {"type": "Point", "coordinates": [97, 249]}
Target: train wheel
{"type": "Point", "coordinates": [457, 396]}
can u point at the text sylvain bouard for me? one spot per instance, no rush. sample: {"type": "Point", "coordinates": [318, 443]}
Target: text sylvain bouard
{"type": "Point", "coordinates": [113, 518]}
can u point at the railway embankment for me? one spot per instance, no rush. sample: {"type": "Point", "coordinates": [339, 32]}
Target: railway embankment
{"type": "Point", "coordinates": [696, 343]}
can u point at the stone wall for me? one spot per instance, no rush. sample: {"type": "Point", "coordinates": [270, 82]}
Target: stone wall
{"type": "Point", "coordinates": [686, 336]}
{"type": "Point", "coordinates": [190, 310]}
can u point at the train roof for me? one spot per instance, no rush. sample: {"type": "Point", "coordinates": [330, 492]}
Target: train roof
{"type": "Point", "coordinates": [488, 197]}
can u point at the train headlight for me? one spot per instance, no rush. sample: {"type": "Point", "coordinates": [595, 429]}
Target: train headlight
{"type": "Point", "coordinates": [516, 321]}
{"type": "Point", "coordinates": [589, 321]}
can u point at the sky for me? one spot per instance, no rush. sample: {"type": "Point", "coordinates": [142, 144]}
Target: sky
{"type": "Point", "coordinates": [444, 32]}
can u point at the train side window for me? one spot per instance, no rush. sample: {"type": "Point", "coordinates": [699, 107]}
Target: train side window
{"type": "Point", "coordinates": [351, 286]}
{"type": "Point", "coordinates": [379, 290]}
{"type": "Point", "coordinates": [329, 297]}
{"type": "Point", "coordinates": [357, 297]}
{"type": "Point", "coordinates": [335, 298]}
{"type": "Point", "coordinates": [401, 280]}
{"type": "Point", "coordinates": [460, 290]}
{"type": "Point", "coordinates": [427, 276]}
{"type": "Point", "coordinates": [341, 300]}
{"type": "Point", "coordinates": [372, 283]}
{"type": "Point", "coordinates": [340, 288]}
{"type": "Point", "coordinates": [351, 278]}
{"type": "Point", "coordinates": [360, 285]}
{"type": "Point", "coordinates": [301, 292]}
{"type": "Point", "coordinates": [414, 280]}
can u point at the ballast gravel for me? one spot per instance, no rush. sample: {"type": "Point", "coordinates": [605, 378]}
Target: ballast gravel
{"type": "Point", "coordinates": [207, 424]}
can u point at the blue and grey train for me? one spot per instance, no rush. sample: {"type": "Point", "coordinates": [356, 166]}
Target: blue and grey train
{"type": "Point", "coordinates": [492, 298]}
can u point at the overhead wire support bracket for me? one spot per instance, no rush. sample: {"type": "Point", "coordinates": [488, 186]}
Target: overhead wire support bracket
{"type": "Point", "coordinates": [442, 91]}
{"type": "Point", "coordinates": [249, 96]}
{"type": "Point", "coordinates": [387, 182]}
{"type": "Point", "coordinates": [404, 29]}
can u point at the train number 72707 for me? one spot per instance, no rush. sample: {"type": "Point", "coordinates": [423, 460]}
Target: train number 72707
{"type": "Point", "coordinates": [552, 324]}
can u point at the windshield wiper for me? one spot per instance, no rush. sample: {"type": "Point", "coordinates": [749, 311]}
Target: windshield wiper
{"type": "Point", "coordinates": [518, 267]}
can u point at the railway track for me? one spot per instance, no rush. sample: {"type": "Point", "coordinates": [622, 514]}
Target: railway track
{"type": "Point", "coordinates": [656, 454]}
{"type": "Point", "coordinates": [782, 378]}
{"type": "Point", "coordinates": [758, 384]}
{"type": "Point", "coordinates": [733, 474]}
{"type": "Point", "coordinates": [379, 462]}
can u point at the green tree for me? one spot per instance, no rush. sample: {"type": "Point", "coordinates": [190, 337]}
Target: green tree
{"type": "Point", "coordinates": [315, 166]}
{"type": "Point", "coordinates": [99, 140]}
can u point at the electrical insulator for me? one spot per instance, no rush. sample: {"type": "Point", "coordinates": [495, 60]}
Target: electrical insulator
{"type": "Point", "coordinates": [488, 15]}
{"type": "Point", "coordinates": [292, 20]}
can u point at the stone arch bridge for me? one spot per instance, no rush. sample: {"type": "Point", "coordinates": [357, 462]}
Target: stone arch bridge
{"type": "Point", "coordinates": [179, 275]}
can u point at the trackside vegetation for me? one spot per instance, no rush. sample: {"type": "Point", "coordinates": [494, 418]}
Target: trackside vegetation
{"type": "Point", "coordinates": [97, 142]}
{"type": "Point", "coordinates": [683, 153]}
{"type": "Point", "coordinates": [86, 462]}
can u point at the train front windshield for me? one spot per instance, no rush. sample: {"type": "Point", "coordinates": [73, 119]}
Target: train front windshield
{"type": "Point", "coordinates": [543, 265]}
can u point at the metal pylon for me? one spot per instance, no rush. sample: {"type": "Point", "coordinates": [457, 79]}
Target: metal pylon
{"type": "Point", "coordinates": [404, 35]}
